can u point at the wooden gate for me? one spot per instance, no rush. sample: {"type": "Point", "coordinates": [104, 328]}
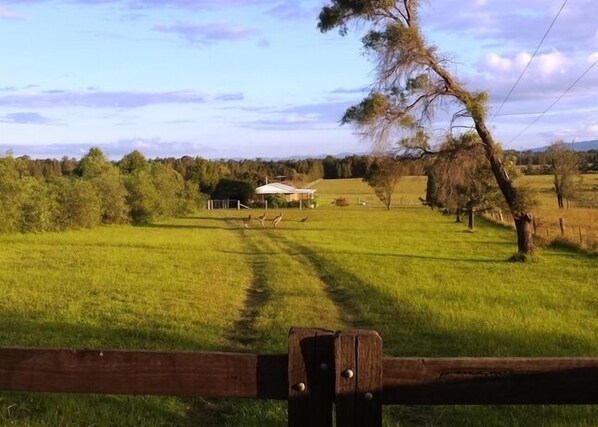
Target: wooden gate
{"type": "Point", "coordinates": [324, 372]}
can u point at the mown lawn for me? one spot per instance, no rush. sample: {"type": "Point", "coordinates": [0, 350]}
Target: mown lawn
{"type": "Point", "coordinates": [429, 287]}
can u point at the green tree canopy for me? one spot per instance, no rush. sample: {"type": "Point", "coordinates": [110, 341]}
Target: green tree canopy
{"type": "Point", "coordinates": [383, 176]}
{"type": "Point", "coordinates": [563, 164]}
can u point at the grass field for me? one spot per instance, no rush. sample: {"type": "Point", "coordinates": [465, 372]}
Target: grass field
{"type": "Point", "coordinates": [205, 282]}
{"type": "Point", "coordinates": [581, 223]}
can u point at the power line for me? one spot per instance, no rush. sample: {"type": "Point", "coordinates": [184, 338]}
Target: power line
{"type": "Point", "coordinates": [558, 99]}
{"type": "Point", "coordinates": [530, 60]}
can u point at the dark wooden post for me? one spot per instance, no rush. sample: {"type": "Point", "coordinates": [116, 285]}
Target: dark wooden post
{"type": "Point", "coordinates": [562, 225]}
{"type": "Point", "coordinates": [311, 377]}
{"type": "Point", "coordinates": [358, 378]}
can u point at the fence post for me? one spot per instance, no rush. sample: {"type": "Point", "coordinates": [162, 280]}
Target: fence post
{"type": "Point", "coordinates": [562, 225]}
{"type": "Point", "coordinates": [311, 377]}
{"type": "Point", "coordinates": [358, 378]}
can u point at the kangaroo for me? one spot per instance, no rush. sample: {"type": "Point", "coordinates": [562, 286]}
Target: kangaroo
{"type": "Point", "coordinates": [277, 220]}
{"type": "Point", "coordinates": [261, 219]}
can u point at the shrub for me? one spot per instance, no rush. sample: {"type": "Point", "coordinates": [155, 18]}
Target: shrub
{"type": "Point", "coordinates": [37, 208]}
{"type": "Point", "coordinates": [342, 202]}
{"type": "Point", "coordinates": [142, 197]}
{"type": "Point", "coordinates": [277, 201]}
{"type": "Point", "coordinates": [77, 204]}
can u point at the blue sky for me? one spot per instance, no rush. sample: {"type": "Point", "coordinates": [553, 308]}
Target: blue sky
{"type": "Point", "coordinates": [255, 78]}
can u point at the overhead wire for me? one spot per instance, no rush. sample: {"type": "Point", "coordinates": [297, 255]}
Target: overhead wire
{"type": "Point", "coordinates": [581, 76]}
{"type": "Point", "coordinates": [530, 61]}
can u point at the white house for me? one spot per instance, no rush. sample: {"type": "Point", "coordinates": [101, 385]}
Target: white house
{"type": "Point", "coordinates": [290, 193]}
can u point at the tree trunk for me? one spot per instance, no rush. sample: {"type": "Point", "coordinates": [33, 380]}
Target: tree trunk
{"type": "Point", "coordinates": [524, 226]}
{"type": "Point", "coordinates": [458, 215]}
{"type": "Point", "coordinates": [559, 198]}
{"type": "Point", "coordinates": [522, 219]}
{"type": "Point", "coordinates": [471, 219]}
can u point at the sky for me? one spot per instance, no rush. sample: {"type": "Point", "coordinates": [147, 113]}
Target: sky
{"type": "Point", "coordinates": [255, 78]}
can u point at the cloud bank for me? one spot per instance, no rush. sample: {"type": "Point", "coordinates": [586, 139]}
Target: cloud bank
{"type": "Point", "coordinates": [115, 99]}
{"type": "Point", "coordinates": [207, 33]}
{"type": "Point", "coordinates": [25, 119]}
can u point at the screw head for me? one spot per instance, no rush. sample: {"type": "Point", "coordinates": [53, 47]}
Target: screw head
{"type": "Point", "coordinates": [323, 367]}
{"type": "Point", "coordinates": [368, 396]}
{"type": "Point", "coordinates": [300, 386]}
{"type": "Point", "coordinates": [348, 373]}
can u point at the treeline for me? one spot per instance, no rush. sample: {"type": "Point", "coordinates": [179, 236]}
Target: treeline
{"type": "Point", "coordinates": [538, 163]}
{"type": "Point", "coordinates": [207, 173]}
{"type": "Point", "coordinates": [90, 192]}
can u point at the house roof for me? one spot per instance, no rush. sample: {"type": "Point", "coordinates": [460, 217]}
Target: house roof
{"type": "Point", "coordinates": [278, 188]}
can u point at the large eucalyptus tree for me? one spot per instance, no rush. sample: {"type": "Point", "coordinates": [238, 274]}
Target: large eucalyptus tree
{"type": "Point", "coordinates": [412, 79]}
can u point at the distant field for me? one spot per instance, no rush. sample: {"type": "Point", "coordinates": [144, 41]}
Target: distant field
{"type": "Point", "coordinates": [581, 223]}
{"type": "Point", "coordinates": [408, 191]}
{"type": "Point", "coordinates": [205, 282]}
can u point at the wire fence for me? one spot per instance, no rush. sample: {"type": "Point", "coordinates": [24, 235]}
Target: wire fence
{"type": "Point", "coordinates": [551, 229]}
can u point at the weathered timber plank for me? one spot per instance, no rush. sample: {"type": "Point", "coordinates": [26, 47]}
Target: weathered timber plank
{"type": "Point", "coordinates": [206, 374]}
{"type": "Point", "coordinates": [490, 381]}
{"type": "Point", "coordinates": [311, 377]}
{"type": "Point", "coordinates": [358, 385]}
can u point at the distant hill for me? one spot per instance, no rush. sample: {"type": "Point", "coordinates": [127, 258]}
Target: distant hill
{"type": "Point", "coordinates": [575, 146]}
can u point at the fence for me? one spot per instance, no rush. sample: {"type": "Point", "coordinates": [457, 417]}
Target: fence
{"type": "Point", "coordinates": [323, 372]}
{"type": "Point", "coordinates": [586, 235]}
{"type": "Point", "coordinates": [225, 204]}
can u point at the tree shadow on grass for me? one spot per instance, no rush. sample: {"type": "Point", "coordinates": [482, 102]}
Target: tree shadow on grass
{"type": "Point", "coordinates": [407, 331]}
{"type": "Point", "coordinates": [298, 252]}
{"type": "Point", "coordinates": [17, 331]}
{"type": "Point", "coordinates": [183, 226]}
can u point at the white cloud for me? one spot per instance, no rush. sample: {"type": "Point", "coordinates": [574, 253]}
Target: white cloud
{"type": "Point", "coordinates": [593, 57]}
{"type": "Point", "coordinates": [542, 66]}
{"type": "Point", "coordinates": [494, 61]}
{"type": "Point", "coordinates": [548, 64]}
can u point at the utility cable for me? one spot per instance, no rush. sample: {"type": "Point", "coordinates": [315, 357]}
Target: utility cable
{"type": "Point", "coordinates": [558, 99]}
{"type": "Point", "coordinates": [530, 60]}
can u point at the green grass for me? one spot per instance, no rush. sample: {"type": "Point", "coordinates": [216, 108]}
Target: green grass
{"type": "Point", "coordinates": [205, 282]}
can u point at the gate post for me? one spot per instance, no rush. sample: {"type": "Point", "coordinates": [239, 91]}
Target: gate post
{"type": "Point", "coordinates": [311, 377]}
{"type": "Point", "coordinates": [358, 378]}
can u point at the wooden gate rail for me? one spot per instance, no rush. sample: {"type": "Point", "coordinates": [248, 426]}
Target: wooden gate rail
{"type": "Point", "coordinates": [345, 368]}
{"type": "Point", "coordinates": [206, 374]}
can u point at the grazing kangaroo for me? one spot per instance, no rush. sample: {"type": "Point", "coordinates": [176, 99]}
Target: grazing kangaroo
{"type": "Point", "coordinates": [261, 219]}
{"type": "Point", "coordinates": [277, 220]}
{"type": "Point", "coordinates": [303, 219]}
{"type": "Point", "coordinates": [247, 221]}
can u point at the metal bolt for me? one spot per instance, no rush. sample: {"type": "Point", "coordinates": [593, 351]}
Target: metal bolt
{"type": "Point", "coordinates": [368, 396]}
{"type": "Point", "coordinates": [300, 387]}
{"type": "Point", "coordinates": [323, 367]}
{"type": "Point", "coordinates": [348, 373]}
